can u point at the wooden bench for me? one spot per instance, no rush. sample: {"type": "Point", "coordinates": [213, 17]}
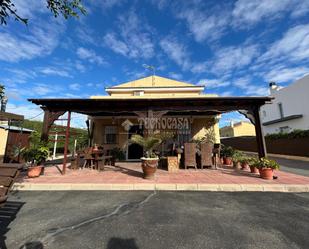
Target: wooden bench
{"type": "Point", "coordinates": [8, 174]}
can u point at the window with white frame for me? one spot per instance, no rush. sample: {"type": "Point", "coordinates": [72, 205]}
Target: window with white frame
{"type": "Point", "coordinates": [110, 134]}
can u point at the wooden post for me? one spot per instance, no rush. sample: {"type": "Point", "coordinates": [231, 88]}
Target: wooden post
{"type": "Point", "coordinates": [261, 145]}
{"type": "Point", "coordinates": [67, 135]}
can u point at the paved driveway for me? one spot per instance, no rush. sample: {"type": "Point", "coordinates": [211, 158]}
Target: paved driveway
{"type": "Point", "coordinates": [293, 166]}
{"type": "Point", "coordinates": [156, 220]}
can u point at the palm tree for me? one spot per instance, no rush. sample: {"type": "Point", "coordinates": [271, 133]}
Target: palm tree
{"type": "Point", "coordinates": [2, 88]}
{"type": "Point", "coordinates": [148, 144]}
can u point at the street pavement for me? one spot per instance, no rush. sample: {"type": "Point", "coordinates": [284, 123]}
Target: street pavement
{"type": "Point", "coordinates": [142, 219]}
{"type": "Point", "coordinates": [293, 166]}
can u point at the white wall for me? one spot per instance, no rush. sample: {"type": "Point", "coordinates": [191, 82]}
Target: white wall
{"type": "Point", "coordinates": [295, 100]}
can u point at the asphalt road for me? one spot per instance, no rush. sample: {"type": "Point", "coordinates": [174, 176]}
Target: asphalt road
{"type": "Point", "coordinates": [293, 166]}
{"type": "Point", "coordinates": [155, 220]}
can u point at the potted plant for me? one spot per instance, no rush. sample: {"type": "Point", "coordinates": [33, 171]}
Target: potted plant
{"type": "Point", "coordinates": [252, 164]}
{"type": "Point", "coordinates": [117, 155]}
{"type": "Point", "coordinates": [150, 159]}
{"type": "Point", "coordinates": [35, 157]}
{"type": "Point", "coordinates": [227, 154]}
{"type": "Point", "coordinates": [237, 158]}
{"type": "Point", "coordinates": [245, 162]}
{"type": "Point", "coordinates": [266, 167]}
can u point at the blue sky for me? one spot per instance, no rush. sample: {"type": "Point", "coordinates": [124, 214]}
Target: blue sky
{"type": "Point", "coordinates": [234, 48]}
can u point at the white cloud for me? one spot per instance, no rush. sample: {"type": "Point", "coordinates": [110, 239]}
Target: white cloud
{"type": "Point", "coordinates": [176, 51]}
{"type": "Point", "coordinates": [39, 40]}
{"type": "Point", "coordinates": [30, 8]}
{"type": "Point", "coordinates": [134, 37]}
{"type": "Point", "coordinates": [53, 71]}
{"type": "Point", "coordinates": [213, 83]}
{"type": "Point", "coordinates": [89, 55]}
{"type": "Point", "coordinates": [249, 88]}
{"type": "Point", "coordinates": [106, 4]}
{"type": "Point", "coordinates": [42, 89]}
{"type": "Point", "coordinates": [251, 12]}
{"type": "Point", "coordinates": [116, 45]}
{"type": "Point", "coordinates": [28, 110]}
{"type": "Point", "coordinates": [294, 46]}
{"type": "Point", "coordinates": [202, 24]}
{"type": "Point", "coordinates": [284, 74]}
{"type": "Point", "coordinates": [174, 75]}
{"type": "Point", "coordinates": [230, 58]}
{"type": "Point", "coordinates": [74, 86]}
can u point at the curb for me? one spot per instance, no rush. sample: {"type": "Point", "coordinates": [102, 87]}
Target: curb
{"type": "Point", "coordinates": [291, 188]}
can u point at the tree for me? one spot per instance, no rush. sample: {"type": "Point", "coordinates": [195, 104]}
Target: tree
{"type": "Point", "coordinates": [2, 88]}
{"type": "Point", "coordinates": [66, 8]}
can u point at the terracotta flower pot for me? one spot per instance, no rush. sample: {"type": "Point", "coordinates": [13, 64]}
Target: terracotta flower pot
{"type": "Point", "coordinates": [149, 166]}
{"type": "Point", "coordinates": [227, 160]}
{"type": "Point", "coordinates": [254, 170]}
{"type": "Point", "coordinates": [34, 171]}
{"type": "Point", "coordinates": [244, 166]}
{"type": "Point", "coordinates": [237, 165]}
{"type": "Point", "coordinates": [266, 173]}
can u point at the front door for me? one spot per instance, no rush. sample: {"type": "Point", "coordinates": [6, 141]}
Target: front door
{"type": "Point", "coordinates": [135, 151]}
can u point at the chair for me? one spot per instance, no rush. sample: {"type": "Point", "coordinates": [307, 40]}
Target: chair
{"type": "Point", "coordinates": [190, 155]}
{"type": "Point", "coordinates": [88, 158]}
{"type": "Point", "coordinates": [206, 155]}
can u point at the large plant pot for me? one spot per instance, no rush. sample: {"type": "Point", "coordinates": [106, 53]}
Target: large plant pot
{"type": "Point", "coordinates": [244, 166]}
{"type": "Point", "coordinates": [34, 171]}
{"type": "Point", "coordinates": [227, 161]}
{"type": "Point", "coordinates": [149, 166]}
{"type": "Point", "coordinates": [237, 165]}
{"type": "Point", "coordinates": [254, 170]}
{"type": "Point", "coordinates": [266, 173]}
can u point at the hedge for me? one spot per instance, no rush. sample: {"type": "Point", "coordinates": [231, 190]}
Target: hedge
{"type": "Point", "coordinates": [290, 135]}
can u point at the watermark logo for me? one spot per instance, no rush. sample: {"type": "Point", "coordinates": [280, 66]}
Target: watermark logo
{"type": "Point", "coordinates": [127, 124]}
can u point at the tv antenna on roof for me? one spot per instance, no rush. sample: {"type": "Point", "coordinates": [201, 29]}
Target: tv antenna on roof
{"type": "Point", "coordinates": [153, 69]}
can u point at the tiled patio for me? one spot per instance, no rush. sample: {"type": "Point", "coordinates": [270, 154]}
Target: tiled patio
{"type": "Point", "coordinates": [131, 173]}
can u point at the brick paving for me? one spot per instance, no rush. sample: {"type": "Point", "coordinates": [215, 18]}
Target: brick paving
{"type": "Point", "coordinates": [131, 173]}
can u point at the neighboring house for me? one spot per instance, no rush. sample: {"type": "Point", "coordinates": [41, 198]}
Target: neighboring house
{"type": "Point", "coordinates": [115, 131]}
{"type": "Point", "coordinates": [238, 129]}
{"type": "Point", "coordinates": [12, 137]}
{"type": "Point", "coordinates": [290, 108]}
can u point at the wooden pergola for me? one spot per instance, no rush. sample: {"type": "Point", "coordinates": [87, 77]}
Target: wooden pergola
{"type": "Point", "coordinates": [202, 105]}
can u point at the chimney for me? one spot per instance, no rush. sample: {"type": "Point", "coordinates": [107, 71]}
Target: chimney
{"type": "Point", "coordinates": [232, 123]}
{"type": "Point", "coordinates": [273, 87]}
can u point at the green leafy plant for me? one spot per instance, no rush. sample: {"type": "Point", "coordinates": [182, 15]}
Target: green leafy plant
{"type": "Point", "coordinates": [36, 156]}
{"type": "Point", "coordinates": [297, 133]}
{"type": "Point", "coordinates": [265, 163]}
{"type": "Point", "coordinates": [66, 8]}
{"type": "Point", "coordinates": [209, 137]}
{"type": "Point", "coordinates": [118, 154]}
{"type": "Point", "coordinates": [227, 151]}
{"type": "Point", "coordinates": [37, 152]}
{"type": "Point", "coordinates": [148, 143]}
{"type": "Point", "coordinates": [237, 156]}
{"type": "Point", "coordinates": [245, 159]}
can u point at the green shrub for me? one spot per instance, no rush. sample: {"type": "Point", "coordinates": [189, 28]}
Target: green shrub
{"type": "Point", "coordinates": [291, 135]}
{"type": "Point", "coordinates": [238, 156]}
{"type": "Point", "coordinates": [227, 151]}
{"type": "Point", "coordinates": [265, 163]}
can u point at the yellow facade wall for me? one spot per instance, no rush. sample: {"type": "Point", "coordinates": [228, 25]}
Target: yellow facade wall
{"type": "Point", "coordinates": [199, 127]}
{"type": "Point", "coordinates": [3, 140]}
{"type": "Point", "coordinates": [156, 94]}
{"type": "Point", "coordinates": [238, 129]}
